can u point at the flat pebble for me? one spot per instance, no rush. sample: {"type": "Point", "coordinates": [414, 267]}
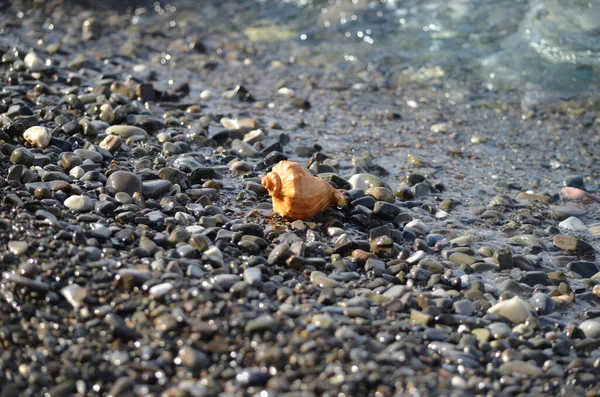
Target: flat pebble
{"type": "Point", "coordinates": [79, 203]}
{"type": "Point", "coordinates": [515, 309]}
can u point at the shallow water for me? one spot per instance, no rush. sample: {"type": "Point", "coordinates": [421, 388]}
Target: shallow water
{"type": "Point", "coordinates": [496, 44]}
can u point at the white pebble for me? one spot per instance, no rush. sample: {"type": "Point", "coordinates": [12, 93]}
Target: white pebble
{"type": "Point", "coordinates": [79, 203]}
{"type": "Point", "coordinates": [77, 172]}
{"type": "Point", "coordinates": [34, 62]}
{"type": "Point", "coordinates": [288, 92]}
{"type": "Point", "coordinates": [439, 128]}
{"type": "Point", "coordinates": [459, 382]}
{"type": "Point", "coordinates": [74, 294]}
{"type": "Point", "coordinates": [412, 103]}
{"type": "Point", "coordinates": [418, 226]}
{"type": "Point", "coordinates": [37, 136]}
{"type": "Point", "coordinates": [416, 257]}
{"type": "Point", "coordinates": [206, 94]}
{"type": "Point", "coordinates": [573, 223]}
{"type": "Point", "coordinates": [515, 309]}
{"type": "Point", "coordinates": [161, 289]}
{"type": "Point", "coordinates": [358, 182]}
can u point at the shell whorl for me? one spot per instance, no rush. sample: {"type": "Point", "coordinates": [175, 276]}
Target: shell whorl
{"type": "Point", "coordinates": [272, 182]}
{"type": "Point", "coordinates": [337, 198]}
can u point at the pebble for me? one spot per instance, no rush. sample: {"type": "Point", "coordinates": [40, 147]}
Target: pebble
{"type": "Point", "coordinates": [499, 330]}
{"type": "Point", "coordinates": [37, 136]}
{"type": "Point", "coordinates": [74, 294]}
{"type": "Point", "coordinates": [464, 307]}
{"type": "Point", "coordinates": [591, 328]}
{"type": "Point", "coordinates": [22, 156]}
{"type": "Point", "coordinates": [126, 131]}
{"type": "Point", "coordinates": [79, 203]}
{"type": "Point", "coordinates": [140, 258]}
{"type": "Point", "coordinates": [154, 188]}
{"type": "Point", "coordinates": [574, 224]}
{"type": "Point", "coordinates": [70, 160]}
{"type": "Point", "coordinates": [34, 62]}
{"type": "Point", "coordinates": [112, 143]}
{"type": "Point", "coordinates": [123, 181]}
{"type": "Point", "coordinates": [192, 358]}
{"type": "Point", "coordinates": [520, 367]}
{"type": "Point", "coordinates": [262, 323]}
{"type": "Point", "coordinates": [18, 247]}
{"type": "Point", "coordinates": [160, 290]}
{"type": "Point", "coordinates": [253, 276]}
{"type": "Point", "coordinates": [515, 310]}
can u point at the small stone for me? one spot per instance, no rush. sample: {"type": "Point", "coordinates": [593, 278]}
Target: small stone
{"type": "Point", "coordinates": [462, 259]}
{"type": "Point", "coordinates": [515, 309]}
{"type": "Point", "coordinates": [263, 323]}
{"type": "Point", "coordinates": [321, 280]}
{"type": "Point", "coordinates": [225, 281]}
{"type": "Point", "coordinates": [253, 276]}
{"type": "Point", "coordinates": [123, 181]}
{"type": "Point", "coordinates": [155, 188]}
{"type": "Point", "coordinates": [77, 172]}
{"type": "Point", "coordinates": [532, 278]}
{"type": "Point", "coordinates": [439, 128]}
{"type": "Point", "coordinates": [542, 303]}
{"type": "Point", "coordinates": [575, 181]}
{"type": "Point", "coordinates": [591, 328]}
{"type": "Point", "coordinates": [416, 161]}
{"type": "Point", "coordinates": [192, 358]}
{"type": "Point", "coordinates": [499, 330]}
{"type": "Point", "coordinates": [279, 254]}
{"type": "Point", "coordinates": [70, 160]}
{"type": "Point", "coordinates": [574, 224]}
{"type": "Point", "coordinates": [79, 203]}
{"type": "Point", "coordinates": [520, 367]}
{"type": "Point", "coordinates": [112, 143]}
{"type": "Point", "coordinates": [37, 136]}
{"type": "Point", "coordinates": [420, 318]}
{"type": "Point", "coordinates": [91, 155]}
{"type": "Point", "coordinates": [22, 156]}
{"type": "Point", "coordinates": [365, 181]}
{"type": "Point", "coordinates": [585, 269]}
{"type": "Point", "coordinates": [130, 278]}
{"type": "Point", "coordinates": [482, 334]}
{"type": "Point", "coordinates": [464, 307]}
{"type": "Point", "coordinates": [126, 131]}
{"type": "Point", "coordinates": [381, 194]}
{"type": "Point", "coordinates": [34, 62]}
{"type": "Point", "coordinates": [503, 259]}
{"type": "Point", "coordinates": [18, 247]}
{"type": "Point", "coordinates": [418, 226]}
{"type": "Point", "coordinates": [160, 290]}
{"type": "Point", "coordinates": [385, 210]}
{"type": "Point", "coordinates": [570, 243]}
{"type": "Point", "coordinates": [206, 95]}
{"type": "Point", "coordinates": [533, 197]}
{"type": "Point", "coordinates": [236, 124]}
{"type": "Point", "coordinates": [382, 246]}
{"type": "Point", "coordinates": [74, 294]}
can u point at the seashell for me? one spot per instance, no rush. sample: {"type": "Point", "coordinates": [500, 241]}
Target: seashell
{"type": "Point", "coordinates": [297, 194]}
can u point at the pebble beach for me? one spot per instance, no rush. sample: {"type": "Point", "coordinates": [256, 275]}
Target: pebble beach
{"type": "Point", "coordinates": [140, 254]}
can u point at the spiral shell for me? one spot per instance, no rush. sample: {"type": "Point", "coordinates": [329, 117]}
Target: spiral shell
{"type": "Point", "coordinates": [297, 194]}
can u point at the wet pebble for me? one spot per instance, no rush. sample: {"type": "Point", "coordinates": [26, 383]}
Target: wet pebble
{"type": "Point", "coordinates": [79, 203]}
{"type": "Point", "coordinates": [123, 181]}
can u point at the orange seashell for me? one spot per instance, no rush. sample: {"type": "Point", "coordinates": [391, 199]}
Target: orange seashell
{"type": "Point", "coordinates": [297, 194]}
